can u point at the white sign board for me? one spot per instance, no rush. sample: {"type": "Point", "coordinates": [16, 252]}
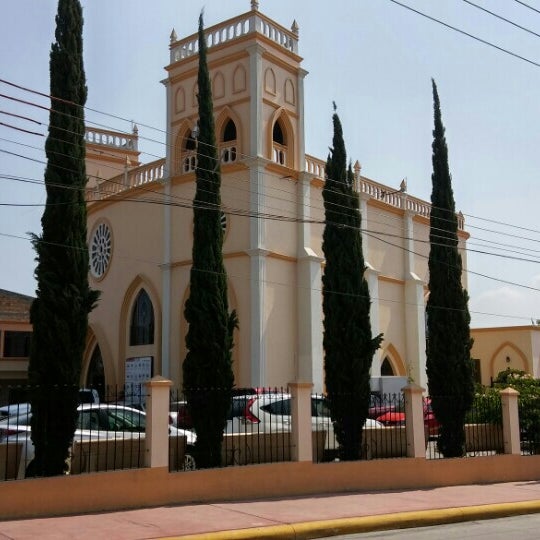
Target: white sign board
{"type": "Point", "coordinates": [138, 371]}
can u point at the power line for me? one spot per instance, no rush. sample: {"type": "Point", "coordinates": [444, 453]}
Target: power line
{"type": "Point", "coordinates": [501, 18]}
{"type": "Point", "coordinates": [239, 153]}
{"type": "Point", "coordinates": [527, 5]}
{"type": "Point", "coordinates": [468, 249]}
{"type": "Point", "coordinates": [501, 49]}
{"type": "Point", "coordinates": [289, 285]}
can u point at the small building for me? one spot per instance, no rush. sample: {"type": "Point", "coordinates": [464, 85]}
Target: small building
{"type": "Point", "coordinates": [15, 339]}
{"type": "Point", "coordinates": [514, 347]}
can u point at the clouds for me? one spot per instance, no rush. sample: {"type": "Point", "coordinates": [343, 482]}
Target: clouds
{"type": "Point", "coordinates": [504, 305]}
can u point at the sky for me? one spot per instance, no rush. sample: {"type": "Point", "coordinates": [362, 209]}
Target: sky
{"type": "Point", "coordinates": [374, 58]}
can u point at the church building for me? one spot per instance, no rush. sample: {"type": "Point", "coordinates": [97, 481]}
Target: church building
{"type": "Point", "coordinates": [140, 224]}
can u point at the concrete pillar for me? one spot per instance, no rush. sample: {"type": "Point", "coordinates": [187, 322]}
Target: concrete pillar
{"type": "Point", "coordinates": [257, 254]}
{"type": "Point", "coordinates": [372, 277]}
{"type": "Point", "coordinates": [510, 417]}
{"type": "Point", "coordinates": [301, 433]}
{"type": "Point", "coordinates": [157, 422]}
{"type": "Point", "coordinates": [415, 317]}
{"type": "Point", "coordinates": [414, 421]}
{"type": "Point", "coordinates": [167, 243]}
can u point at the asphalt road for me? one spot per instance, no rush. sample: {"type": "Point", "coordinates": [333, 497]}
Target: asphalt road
{"type": "Point", "coordinates": [518, 527]}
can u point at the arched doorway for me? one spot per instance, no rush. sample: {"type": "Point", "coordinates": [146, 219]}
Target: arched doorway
{"type": "Point", "coordinates": [95, 377]}
{"type": "Point", "coordinates": [387, 369]}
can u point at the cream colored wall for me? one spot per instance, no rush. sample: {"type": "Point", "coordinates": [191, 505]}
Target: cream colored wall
{"type": "Point", "coordinates": [133, 225]}
{"type": "Point", "coordinates": [280, 316]}
{"type": "Point", "coordinates": [392, 317]}
{"type": "Point", "coordinates": [492, 346]}
{"type": "Point", "coordinates": [421, 248]}
{"type": "Point", "coordinates": [281, 197]}
{"type": "Point", "coordinates": [317, 215]}
{"type": "Point", "coordinates": [235, 194]}
{"type": "Point", "coordinates": [388, 225]}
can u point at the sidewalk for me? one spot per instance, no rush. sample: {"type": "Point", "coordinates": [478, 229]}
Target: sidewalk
{"type": "Point", "coordinates": [303, 517]}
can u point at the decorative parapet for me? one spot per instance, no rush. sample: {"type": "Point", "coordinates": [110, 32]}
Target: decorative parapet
{"type": "Point", "coordinates": [315, 166]}
{"type": "Point", "coordinates": [139, 176]}
{"type": "Point", "coordinates": [249, 23]}
{"type": "Point", "coordinates": [380, 192]}
{"type": "Point", "coordinates": [122, 141]}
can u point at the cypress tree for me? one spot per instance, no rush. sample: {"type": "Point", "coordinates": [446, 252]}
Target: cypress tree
{"type": "Point", "coordinates": [59, 314]}
{"type": "Point", "coordinates": [208, 375]}
{"type": "Point", "coordinates": [449, 364]}
{"type": "Point", "coordinates": [348, 343]}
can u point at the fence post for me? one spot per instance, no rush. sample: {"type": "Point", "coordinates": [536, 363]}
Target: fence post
{"type": "Point", "coordinates": [301, 433]}
{"type": "Point", "coordinates": [157, 422]}
{"type": "Point", "coordinates": [414, 421]}
{"type": "Point", "coordinates": [510, 418]}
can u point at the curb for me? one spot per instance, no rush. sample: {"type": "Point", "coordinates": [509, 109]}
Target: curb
{"type": "Point", "coordinates": [401, 520]}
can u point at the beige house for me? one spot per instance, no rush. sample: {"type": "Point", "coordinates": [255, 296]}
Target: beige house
{"type": "Point", "coordinates": [140, 226]}
{"type": "Point", "coordinates": [514, 347]}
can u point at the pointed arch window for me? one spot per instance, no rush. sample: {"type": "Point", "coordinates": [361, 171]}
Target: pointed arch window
{"type": "Point", "coordinates": [142, 321]}
{"type": "Point", "coordinates": [229, 147]}
{"type": "Point", "coordinates": [386, 368]}
{"type": "Point", "coordinates": [279, 143]}
{"type": "Point", "coordinates": [189, 152]}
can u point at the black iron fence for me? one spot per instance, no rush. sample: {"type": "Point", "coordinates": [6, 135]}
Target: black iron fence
{"type": "Point", "coordinates": [112, 423]}
{"type": "Point", "coordinates": [482, 430]}
{"type": "Point", "coordinates": [529, 424]}
{"type": "Point", "coordinates": [109, 434]}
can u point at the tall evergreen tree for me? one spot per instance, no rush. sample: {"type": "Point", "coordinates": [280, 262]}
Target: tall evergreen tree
{"type": "Point", "coordinates": [59, 314]}
{"type": "Point", "coordinates": [348, 343]}
{"type": "Point", "coordinates": [208, 375]}
{"type": "Point", "coordinates": [449, 364]}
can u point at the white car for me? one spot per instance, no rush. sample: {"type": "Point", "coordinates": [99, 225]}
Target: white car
{"type": "Point", "coordinates": [95, 422]}
{"type": "Point", "coordinates": [271, 412]}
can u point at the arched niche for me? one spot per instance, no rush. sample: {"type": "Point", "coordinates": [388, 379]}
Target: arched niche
{"type": "Point", "coordinates": [239, 79]}
{"type": "Point", "coordinates": [180, 100]}
{"type": "Point", "coordinates": [270, 81]}
{"type": "Point", "coordinates": [289, 92]}
{"type": "Point", "coordinates": [218, 86]}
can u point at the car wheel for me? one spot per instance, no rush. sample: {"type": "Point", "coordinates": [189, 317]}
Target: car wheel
{"type": "Point", "coordinates": [189, 462]}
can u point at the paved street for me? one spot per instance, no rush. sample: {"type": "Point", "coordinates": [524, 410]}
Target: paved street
{"type": "Point", "coordinates": [518, 527]}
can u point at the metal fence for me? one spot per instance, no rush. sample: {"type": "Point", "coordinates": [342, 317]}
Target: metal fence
{"type": "Point", "coordinates": [111, 428]}
{"type": "Point", "coordinates": [482, 429]}
{"type": "Point", "coordinates": [109, 432]}
{"type": "Point", "coordinates": [529, 424]}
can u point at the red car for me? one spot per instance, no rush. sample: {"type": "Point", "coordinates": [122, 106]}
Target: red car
{"type": "Point", "coordinates": [395, 418]}
{"type": "Point", "coordinates": [380, 405]}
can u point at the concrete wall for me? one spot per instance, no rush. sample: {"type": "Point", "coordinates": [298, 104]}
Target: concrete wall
{"type": "Point", "coordinates": [156, 487]}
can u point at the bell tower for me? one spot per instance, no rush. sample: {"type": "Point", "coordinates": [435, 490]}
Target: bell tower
{"type": "Point", "coordinates": [258, 93]}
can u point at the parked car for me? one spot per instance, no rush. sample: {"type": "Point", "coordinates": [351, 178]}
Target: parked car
{"type": "Point", "coordinates": [397, 418]}
{"type": "Point", "coordinates": [95, 422]}
{"type": "Point", "coordinates": [271, 412]}
{"type": "Point", "coordinates": [13, 410]}
{"type": "Point", "coordinates": [179, 415]}
{"type": "Point", "coordinates": [382, 404]}
{"type": "Point", "coordinates": [86, 395]}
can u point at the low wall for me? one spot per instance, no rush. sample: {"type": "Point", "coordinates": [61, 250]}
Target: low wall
{"type": "Point", "coordinates": [137, 488]}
